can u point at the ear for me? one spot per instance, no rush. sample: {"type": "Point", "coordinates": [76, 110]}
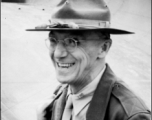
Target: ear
{"type": "Point", "coordinates": [104, 48]}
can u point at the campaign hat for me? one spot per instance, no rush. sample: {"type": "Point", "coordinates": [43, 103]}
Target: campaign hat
{"type": "Point", "coordinates": [79, 15]}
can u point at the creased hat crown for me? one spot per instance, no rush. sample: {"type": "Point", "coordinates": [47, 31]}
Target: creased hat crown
{"type": "Point", "coordinates": [85, 12]}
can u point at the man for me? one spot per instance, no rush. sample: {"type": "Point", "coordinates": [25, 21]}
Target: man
{"type": "Point", "coordinates": [79, 41]}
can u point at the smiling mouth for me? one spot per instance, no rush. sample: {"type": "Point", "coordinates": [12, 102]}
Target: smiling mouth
{"type": "Point", "coordinates": [65, 65]}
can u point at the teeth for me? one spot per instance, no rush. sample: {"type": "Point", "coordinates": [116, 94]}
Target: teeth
{"type": "Point", "coordinates": [65, 65]}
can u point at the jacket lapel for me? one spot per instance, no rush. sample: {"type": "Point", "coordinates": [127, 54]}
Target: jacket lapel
{"type": "Point", "coordinates": [98, 105]}
{"type": "Point", "coordinates": [59, 105]}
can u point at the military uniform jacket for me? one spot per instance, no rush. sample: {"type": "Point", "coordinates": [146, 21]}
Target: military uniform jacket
{"type": "Point", "coordinates": [111, 101]}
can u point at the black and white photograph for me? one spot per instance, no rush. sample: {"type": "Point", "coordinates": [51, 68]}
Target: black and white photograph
{"type": "Point", "coordinates": [76, 60]}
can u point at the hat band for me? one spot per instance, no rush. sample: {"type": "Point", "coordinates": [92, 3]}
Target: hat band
{"type": "Point", "coordinates": [85, 22]}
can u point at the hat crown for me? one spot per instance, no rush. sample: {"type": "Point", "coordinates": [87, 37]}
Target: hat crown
{"type": "Point", "coordinates": [80, 10]}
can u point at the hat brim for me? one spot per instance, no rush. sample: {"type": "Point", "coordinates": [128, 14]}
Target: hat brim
{"type": "Point", "coordinates": [106, 30]}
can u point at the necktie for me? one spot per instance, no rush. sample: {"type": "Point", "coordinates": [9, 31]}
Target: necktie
{"type": "Point", "coordinates": [67, 114]}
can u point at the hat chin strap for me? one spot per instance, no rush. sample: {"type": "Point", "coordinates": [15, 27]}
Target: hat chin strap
{"type": "Point", "coordinates": [84, 22]}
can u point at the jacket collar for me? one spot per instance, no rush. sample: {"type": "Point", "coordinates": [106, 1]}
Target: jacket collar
{"type": "Point", "coordinates": [59, 103]}
{"type": "Point", "coordinates": [101, 96]}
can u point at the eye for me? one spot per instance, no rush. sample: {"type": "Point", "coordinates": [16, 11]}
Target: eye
{"type": "Point", "coordinates": [70, 42]}
{"type": "Point", "coordinates": [53, 41]}
{"type": "Point", "coordinates": [78, 42]}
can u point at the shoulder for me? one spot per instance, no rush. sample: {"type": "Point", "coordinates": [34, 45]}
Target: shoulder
{"type": "Point", "coordinates": [125, 104]}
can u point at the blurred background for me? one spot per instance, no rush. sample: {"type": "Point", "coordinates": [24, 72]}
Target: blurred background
{"type": "Point", "coordinates": [27, 75]}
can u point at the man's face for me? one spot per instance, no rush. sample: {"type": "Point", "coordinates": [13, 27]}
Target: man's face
{"type": "Point", "coordinates": [79, 65]}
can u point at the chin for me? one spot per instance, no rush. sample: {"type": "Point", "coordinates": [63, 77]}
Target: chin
{"type": "Point", "coordinates": [65, 80]}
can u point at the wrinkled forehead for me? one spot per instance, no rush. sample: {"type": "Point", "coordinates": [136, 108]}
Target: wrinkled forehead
{"type": "Point", "coordinates": [79, 34]}
{"type": "Point", "coordinates": [67, 33]}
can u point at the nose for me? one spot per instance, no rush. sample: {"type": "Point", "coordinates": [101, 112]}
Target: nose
{"type": "Point", "coordinates": [60, 51]}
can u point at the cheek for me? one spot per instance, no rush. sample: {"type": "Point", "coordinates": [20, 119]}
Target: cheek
{"type": "Point", "coordinates": [89, 58]}
{"type": "Point", "coordinates": [51, 53]}
{"type": "Point", "coordinates": [83, 59]}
